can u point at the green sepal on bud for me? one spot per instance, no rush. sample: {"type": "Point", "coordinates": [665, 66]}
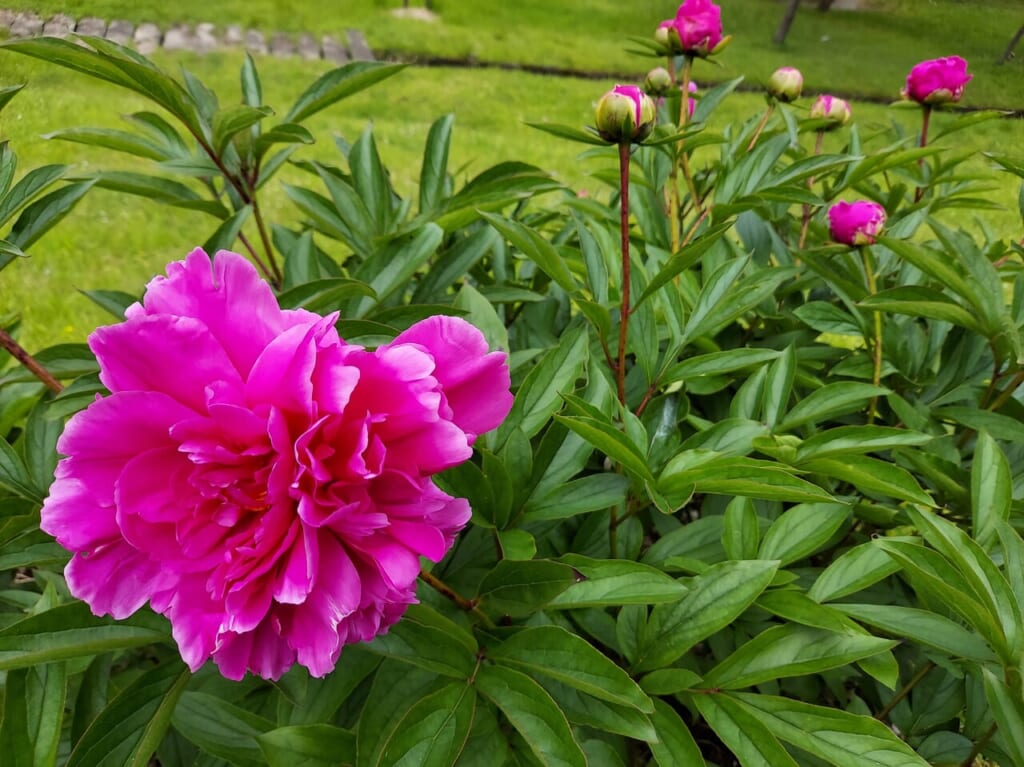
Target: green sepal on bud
{"type": "Point", "coordinates": [625, 115]}
{"type": "Point", "coordinates": [658, 82]}
{"type": "Point", "coordinates": [786, 84]}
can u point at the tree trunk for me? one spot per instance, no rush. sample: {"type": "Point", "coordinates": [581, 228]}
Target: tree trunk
{"type": "Point", "coordinates": [1008, 53]}
{"type": "Point", "coordinates": [824, 5]}
{"type": "Point", "coordinates": [787, 22]}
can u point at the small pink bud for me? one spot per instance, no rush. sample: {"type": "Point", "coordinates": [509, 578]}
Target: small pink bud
{"type": "Point", "coordinates": [830, 108]}
{"type": "Point", "coordinates": [625, 114]}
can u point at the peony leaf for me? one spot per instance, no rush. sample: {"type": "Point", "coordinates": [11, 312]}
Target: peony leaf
{"type": "Point", "coordinates": [612, 582]}
{"type": "Point", "coordinates": [338, 84]}
{"type": "Point", "coordinates": [220, 728]}
{"type": "Point", "coordinates": [310, 745]}
{"type": "Point", "coordinates": [434, 731]}
{"type": "Point", "coordinates": [714, 600]}
{"type": "Point", "coordinates": [534, 714]}
{"type": "Point", "coordinates": [521, 588]}
{"type": "Point", "coordinates": [434, 173]}
{"type": "Point", "coordinates": [923, 626]}
{"type": "Point", "coordinates": [561, 655]}
{"type": "Point", "coordinates": [791, 650]}
{"type": "Point", "coordinates": [131, 726]}
{"type": "Point", "coordinates": [802, 530]}
{"type": "Point", "coordinates": [675, 746]}
{"type": "Point", "coordinates": [991, 490]}
{"type": "Point", "coordinates": [747, 738]}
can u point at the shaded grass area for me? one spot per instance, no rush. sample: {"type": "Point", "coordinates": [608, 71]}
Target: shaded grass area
{"type": "Point", "coordinates": [117, 242]}
{"type": "Point", "coordinates": [866, 52]}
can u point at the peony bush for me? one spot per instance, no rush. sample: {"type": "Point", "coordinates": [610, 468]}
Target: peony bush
{"type": "Point", "coordinates": [723, 466]}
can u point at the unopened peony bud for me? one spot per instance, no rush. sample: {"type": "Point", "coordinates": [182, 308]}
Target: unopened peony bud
{"type": "Point", "coordinates": [658, 82]}
{"type": "Point", "coordinates": [625, 114]}
{"type": "Point", "coordinates": [667, 37]}
{"type": "Point", "coordinates": [937, 81]}
{"type": "Point", "coordinates": [856, 223]}
{"type": "Point", "coordinates": [786, 83]}
{"type": "Point", "coordinates": [832, 109]}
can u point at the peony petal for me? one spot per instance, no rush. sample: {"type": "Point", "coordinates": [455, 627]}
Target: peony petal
{"type": "Point", "coordinates": [115, 579]}
{"type": "Point", "coordinates": [173, 355]}
{"type": "Point", "coordinates": [475, 383]}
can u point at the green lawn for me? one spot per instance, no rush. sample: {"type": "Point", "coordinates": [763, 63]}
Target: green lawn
{"type": "Point", "coordinates": [112, 241]}
{"type": "Point", "coordinates": [864, 52]}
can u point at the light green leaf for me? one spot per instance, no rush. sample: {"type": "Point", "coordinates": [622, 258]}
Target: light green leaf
{"type": "Point", "coordinates": [675, 746]}
{"type": "Point", "coordinates": [1008, 712]}
{"type": "Point", "coordinates": [802, 530]}
{"type": "Point", "coordinates": [829, 401]}
{"type": "Point", "coordinates": [561, 655]}
{"type": "Point", "coordinates": [851, 572]}
{"type": "Point", "coordinates": [844, 440]}
{"type": "Point", "coordinates": [230, 121]}
{"type": "Point", "coordinates": [611, 441]}
{"type": "Point", "coordinates": [338, 84]}
{"type": "Point", "coordinates": [709, 472]}
{"type": "Point", "coordinates": [537, 249]}
{"type": "Point", "coordinates": [434, 173]}
{"type": "Point", "coordinates": [579, 496]}
{"type": "Point", "coordinates": [923, 626]}
{"type": "Point", "coordinates": [746, 737]}
{"type": "Point", "coordinates": [791, 650]}
{"type": "Point", "coordinates": [871, 476]}
{"type": "Point", "coordinates": [72, 631]}
{"type": "Point", "coordinates": [991, 490]}
{"type": "Point", "coordinates": [429, 640]}
{"type": "Point", "coordinates": [840, 738]}
{"type": "Point", "coordinates": [714, 600]}
{"type": "Point", "coordinates": [611, 582]}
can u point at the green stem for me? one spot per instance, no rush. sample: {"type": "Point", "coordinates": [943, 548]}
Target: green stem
{"type": "Point", "coordinates": [805, 224]}
{"type": "Point", "coordinates": [904, 691]}
{"type": "Point", "coordinates": [684, 117]}
{"type": "Point", "coordinates": [925, 119]}
{"type": "Point", "coordinates": [469, 605]}
{"type": "Point", "coordinates": [979, 746]}
{"type": "Point", "coordinates": [761, 125]}
{"type": "Point", "coordinates": [876, 377]}
{"type": "Point", "coordinates": [620, 367]}
{"type": "Point", "coordinates": [1007, 392]}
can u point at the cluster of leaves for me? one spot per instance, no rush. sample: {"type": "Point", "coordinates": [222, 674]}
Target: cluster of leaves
{"type": "Point", "coordinates": [763, 556]}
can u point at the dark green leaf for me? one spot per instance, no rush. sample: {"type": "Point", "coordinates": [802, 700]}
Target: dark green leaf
{"type": "Point", "coordinates": [434, 173]}
{"type": "Point", "coordinates": [675, 746]}
{"type": "Point", "coordinates": [570, 133]}
{"type": "Point", "coordinates": [308, 745]}
{"type": "Point", "coordinates": [802, 530]}
{"type": "Point", "coordinates": [537, 249]}
{"type": "Point", "coordinates": [338, 84]}
{"type": "Point", "coordinates": [129, 729]}
{"type": "Point", "coordinates": [521, 588]}
{"type": "Point", "coordinates": [434, 731]}
{"type": "Point", "coordinates": [991, 490]}
{"type": "Point", "coordinates": [746, 737]}
{"type": "Point", "coordinates": [923, 626]}
{"type": "Point", "coordinates": [607, 582]}
{"type": "Point", "coordinates": [579, 496]}
{"type": "Point", "coordinates": [534, 714]}
{"type": "Point", "coordinates": [43, 214]}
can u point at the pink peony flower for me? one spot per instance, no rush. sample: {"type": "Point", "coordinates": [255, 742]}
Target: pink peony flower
{"type": "Point", "coordinates": [937, 81]}
{"type": "Point", "coordinates": [256, 479]}
{"type": "Point", "coordinates": [856, 223]}
{"type": "Point", "coordinates": [699, 26]}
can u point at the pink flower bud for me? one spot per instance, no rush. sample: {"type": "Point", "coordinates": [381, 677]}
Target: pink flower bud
{"type": "Point", "coordinates": [699, 26]}
{"type": "Point", "coordinates": [786, 83]}
{"type": "Point", "coordinates": [937, 81]}
{"type": "Point", "coordinates": [856, 223]}
{"type": "Point", "coordinates": [691, 89]}
{"type": "Point", "coordinates": [625, 114]}
{"type": "Point", "coordinates": [832, 109]}
{"type": "Point", "coordinates": [666, 36]}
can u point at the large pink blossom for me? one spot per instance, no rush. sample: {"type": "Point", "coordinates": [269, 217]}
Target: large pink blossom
{"type": "Point", "coordinates": [937, 81]}
{"type": "Point", "coordinates": [698, 23]}
{"type": "Point", "coordinates": [256, 479]}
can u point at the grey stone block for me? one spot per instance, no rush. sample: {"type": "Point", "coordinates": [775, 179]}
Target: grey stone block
{"type": "Point", "coordinates": [120, 31]}
{"type": "Point", "coordinates": [281, 45]}
{"type": "Point", "coordinates": [233, 35]}
{"type": "Point", "coordinates": [358, 48]}
{"type": "Point", "coordinates": [333, 50]}
{"type": "Point", "coordinates": [309, 49]}
{"type": "Point", "coordinates": [26, 25]}
{"type": "Point", "coordinates": [179, 38]}
{"type": "Point", "coordinates": [255, 42]}
{"type": "Point", "coordinates": [147, 38]}
{"type": "Point", "coordinates": [92, 26]}
{"type": "Point", "coordinates": [59, 25]}
{"type": "Point", "coordinates": [205, 39]}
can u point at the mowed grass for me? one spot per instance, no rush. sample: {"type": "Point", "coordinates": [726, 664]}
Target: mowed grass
{"type": "Point", "coordinates": [112, 241]}
{"type": "Point", "coordinates": [866, 52]}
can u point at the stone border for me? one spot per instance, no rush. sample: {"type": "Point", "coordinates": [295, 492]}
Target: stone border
{"type": "Point", "coordinates": [199, 38]}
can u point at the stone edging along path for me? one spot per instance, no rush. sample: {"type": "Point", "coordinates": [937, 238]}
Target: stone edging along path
{"type": "Point", "coordinates": [200, 38]}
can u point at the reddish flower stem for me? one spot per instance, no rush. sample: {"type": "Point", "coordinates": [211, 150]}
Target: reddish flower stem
{"type": "Point", "coordinates": [925, 120]}
{"type": "Point", "coordinates": [760, 126]}
{"type": "Point", "coordinates": [442, 588]}
{"type": "Point", "coordinates": [29, 362]}
{"type": "Point", "coordinates": [810, 183]}
{"type": "Point", "coordinates": [620, 367]}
